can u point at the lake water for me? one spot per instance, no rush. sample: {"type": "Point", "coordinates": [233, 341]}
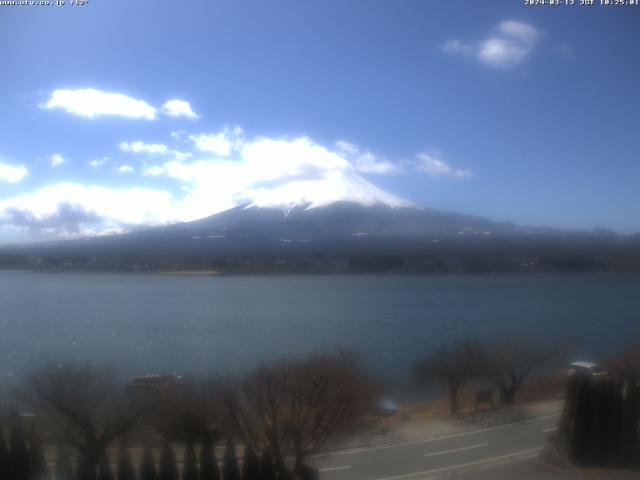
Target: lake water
{"type": "Point", "coordinates": [230, 324]}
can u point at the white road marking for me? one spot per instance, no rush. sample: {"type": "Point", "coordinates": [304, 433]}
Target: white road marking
{"type": "Point", "coordinates": [434, 439]}
{"type": "Point", "coordinates": [462, 449]}
{"type": "Point", "coordinates": [333, 469]}
{"type": "Point", "coordinates": [542, 418]}
{"type": "Point", "coordinates": [467, 464]}
{"type": "Point", "coordinates": [547, 430]}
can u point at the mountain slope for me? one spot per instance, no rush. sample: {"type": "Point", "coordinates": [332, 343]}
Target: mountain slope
{"type": "Point", "coordinates": [250, 229]}
{"type": "Point", "coordinates": [338, 230]}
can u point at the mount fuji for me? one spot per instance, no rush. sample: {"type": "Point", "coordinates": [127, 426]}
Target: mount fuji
{"type": "Point", "coordinates": [332, 224]}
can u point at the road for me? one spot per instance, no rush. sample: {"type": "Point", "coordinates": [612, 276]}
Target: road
{"type": "Point", "coordinates": [498, 451]}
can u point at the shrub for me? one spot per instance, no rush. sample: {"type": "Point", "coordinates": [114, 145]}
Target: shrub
{"type": "Point", "coordinates": [168, 467]}
{"type": "Point", "coordinates": [147, 465]}
{"type": "Point", "coordinates": [231, 470]}
{"type": "Point", "coordinates": [63, 470]}
{"type": "Point", "coordinates": [125, 464]}
{"type": "Point", "coordinates": [104, 468]}
{"type": "Point", "coordinates": [250, 465]}
{"type": "Point", "coordinates": [190, 463]}
{"type": "Point", "coordinates": [208, 463]}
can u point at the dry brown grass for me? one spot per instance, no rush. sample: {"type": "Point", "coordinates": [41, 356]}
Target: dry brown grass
{"type": "Point", "coordinates": [537, 389]}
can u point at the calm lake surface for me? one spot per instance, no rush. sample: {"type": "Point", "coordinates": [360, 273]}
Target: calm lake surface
{"type": "Point", "coordinates": [230, 324]}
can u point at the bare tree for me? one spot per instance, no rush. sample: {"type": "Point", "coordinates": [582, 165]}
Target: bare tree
{"type": "Point", "coordinates": [510, 363]}
{"type": "Point", "coordinates": [625, 365]}
{"type": "Point", "coordinates": [256, 411]}
{"type": "Point", "coordinates": [298, 407]}
{"type": "Point", "coordinates": [330, 398]}
{"type": "Point", "coordinates": [456, 365]}
{"type": "Point", "coordinates": [187, 413]}
{"type": "Point", "coordinates": [84, 408]}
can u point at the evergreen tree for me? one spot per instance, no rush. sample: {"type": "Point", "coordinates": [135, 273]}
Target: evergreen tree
{"type": "Point", "coordinates": [250, 465]}
{"type": "Point", "coordinates": [304, 472]}
{"type": "Point", "coordinates": [83, 471]}
{"type": "Point", "coordinates": [601, 421]}
{"type": "Point", "coordinates": [148, 464]}
{"type": "Point", "coordinates": [632, 422]}
{"type": "Point", "coordinates": [125, 464]}
{"type": "Point", "coordinates": [63, 470]}
{"type": "Point", "coordinates": [168, 467]}
{"type": "Point", "coordinates": [18, 453]}
{"type": "Point", "coordinates": [582, 423]}
{"type": "Point", "coordinates": [208, 462]}
{"type": "Point", "coordinates": [230, 468]}
{"type": "Point", "coordinates": [267, 469]}
{"type": "Point", "coordinates": [190, 463]}
{"type": "Point", "coordinates": [104, 468]}
{"type": "Point", "coordinates": [4, 456]}
{"type": "Point", "coordinates": [38, 469]}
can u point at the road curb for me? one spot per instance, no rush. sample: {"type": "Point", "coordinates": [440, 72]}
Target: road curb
{"type": "Point", "coordinates": [599, 474]}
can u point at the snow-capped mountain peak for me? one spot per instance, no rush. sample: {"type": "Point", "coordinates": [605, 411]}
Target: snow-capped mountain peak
{"type": "Point", "coordinates": [346, 186]}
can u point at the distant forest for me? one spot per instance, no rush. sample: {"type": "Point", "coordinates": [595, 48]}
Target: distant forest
{"type": "Point", "coordinates": [330, 263]}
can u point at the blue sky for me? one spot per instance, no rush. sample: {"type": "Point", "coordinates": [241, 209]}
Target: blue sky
{"type": "Point", "coordinates": [520, 113]}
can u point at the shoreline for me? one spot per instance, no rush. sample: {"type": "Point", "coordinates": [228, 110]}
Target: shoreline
{"type": "Point", "coordinates": [189, 273]}
{"type": "Point", "coordinates": [319, 273]}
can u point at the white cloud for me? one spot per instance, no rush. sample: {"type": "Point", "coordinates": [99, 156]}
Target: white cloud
{"type": "Point", "coordinates": [510, 43]}
{"type": "Point", "coordinates": [98, 162]}
{"type": "Point", "coordinates": [221, 143]}
{"type": "Point", "coordinates": [458, 46]}
{"type": "Point", "coordinates": [179, 135]}
{"type": "Point", "coordinates": [92, 103]}
{"type": "Point", "coordinates": [153, 170]}
{"type": "Point", "coordinates": [268, 172]}
{"type": "Point", "coordinates": [57, 160]}
{"type": "Point", "coordinates": [367, 162]}
{"type": "Point", "coordinates": [125, 169]}
{"type": "Point", "coordinates": [435, 167]}
{"type": "Point", "coordinates": [500, 52]}
{"type": "Point", "coordinates": [180, 156]}
{"type": "Point", "coordinates": [519, 31]}
{"type": "Point", "coordinates": [179, 108]}
{"type": "Point", "coordinates": [347, 147]}
{"type": "Point", "coordinates": [260, 171]}
{"type": "Point", "coordinates": [71, 209]}
{"type": "Point", "coordinates": [12, 173]}
{"type": "Point", "coordinates": [141, 147]}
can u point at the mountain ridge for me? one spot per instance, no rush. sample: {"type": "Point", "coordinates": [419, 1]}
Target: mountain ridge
{"type": "Point", "coordinates": [336, 237]}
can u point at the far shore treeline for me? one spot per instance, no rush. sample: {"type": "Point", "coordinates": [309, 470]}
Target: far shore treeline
{"type": "Point", "coordinates": [627, 260]}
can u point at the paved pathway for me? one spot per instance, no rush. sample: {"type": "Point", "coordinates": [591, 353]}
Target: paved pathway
{"type": "Point", "coordinates": [484, 447]}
